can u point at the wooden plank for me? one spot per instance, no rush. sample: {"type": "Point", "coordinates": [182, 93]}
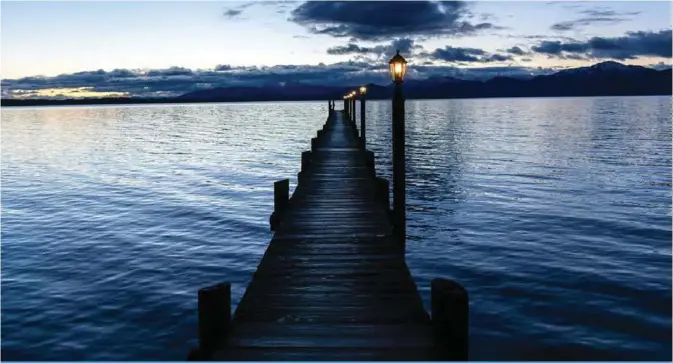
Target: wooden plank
{"type": "Point", "coordinates": [333, 284]}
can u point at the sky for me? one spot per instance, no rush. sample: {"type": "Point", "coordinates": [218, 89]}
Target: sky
{"type": "Point", "coordinates": [155, 48]}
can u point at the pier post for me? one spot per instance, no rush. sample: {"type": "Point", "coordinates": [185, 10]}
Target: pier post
{"type": "Point", "coordinates": [383, 192]}
{"type": "Point", "coordinates": [399, 172]}
{"type": "Point", "coordinates": [305, 163]}
{"type": "Point", "coordinates": [363, 129]}
{"type": "Point", "coordinates": [450, 317]}
{"type": "Point", "coordinates": [214, 317]}
{"type": "Point", "coordinates": [369, 155]}
{"type": "Point", "coordinates": [305, 160]}
{"type": "Point", "coordinates": [281, 194]}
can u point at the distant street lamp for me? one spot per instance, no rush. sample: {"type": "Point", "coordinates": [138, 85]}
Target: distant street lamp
{"type": "Point", "coordinates": [398, 68]}
{"type": "Point", "coordinates": [363, 132]}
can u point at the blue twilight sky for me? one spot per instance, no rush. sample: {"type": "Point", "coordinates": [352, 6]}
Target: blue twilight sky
{"type": "Point", "coordinates": [98, 48]}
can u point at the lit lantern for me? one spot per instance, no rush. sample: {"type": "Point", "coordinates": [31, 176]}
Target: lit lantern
{"type": "Point", "coordinates": [398, 68]}
{"type": "Point", "coordinates": [363, 90]}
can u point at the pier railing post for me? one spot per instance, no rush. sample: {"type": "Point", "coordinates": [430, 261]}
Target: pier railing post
{"type": "Point", "coordinates": [383, 192]}
{"type": "Point", "coordinates": [369, 155]}
{"type": "Point", "coordinates": [450, 319]}
{"type": "Point", "coordinates": [305, 164]}
{"type": "Point", "coordinates": [305, 160]}
{"type": "Point", "coordinates": [214, 317]}
{"type": "Point", "coordinates": [281, 194]}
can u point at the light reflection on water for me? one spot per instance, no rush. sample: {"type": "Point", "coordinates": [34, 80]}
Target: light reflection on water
{"type": "Point", "coordinates": [554, 213]}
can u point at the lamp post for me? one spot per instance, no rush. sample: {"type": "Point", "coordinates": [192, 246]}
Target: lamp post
{"type": "Point", "coordinates": [398, 68]}
{"type": "Point", "coordinates": [346, 104]}
{"type": "Point", "coordinates": [353, 99]}
{"type": "Point", "coordinates": [363, 132]}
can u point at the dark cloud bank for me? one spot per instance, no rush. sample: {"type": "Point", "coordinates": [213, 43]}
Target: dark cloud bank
{"type": "Point", "coordinates": [630, 46]}
{"type": "Point", "coordinates": [594, 16]}
{"type": "Point", "coordinates": [379, 20]}
{"type": "Point", "coordinates": [372, 32]}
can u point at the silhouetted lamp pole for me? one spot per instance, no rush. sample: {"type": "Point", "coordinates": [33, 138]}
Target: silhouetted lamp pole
{"type": "Point", "coordinates": [353, 99]}
{"type": "Point", "coordinates": [363, 132]}
{"type": "Point", "coordinates": [398, 68]}
{"type": "Point", "coordinates": [346, 105]}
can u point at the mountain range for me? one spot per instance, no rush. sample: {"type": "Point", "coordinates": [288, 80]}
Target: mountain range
{"type": "Point", "coordinates": [601, 79]}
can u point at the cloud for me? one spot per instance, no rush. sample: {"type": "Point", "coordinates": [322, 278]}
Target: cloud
{"type": "Point", "coordinates": [281, 7]}
{"type": "Point", "coordinates": [630, 46]}
{"type": "Point", "coordinates": [173, 71]}
{"type": "Point", "coordinates": [222, 67]}
{"type": "Point", "coordinates": [451, 54]}
{"type": "Point", "coordinates": [176, 81]}
{"type": "Point", "coordinates": [381, 20]}
{"type": "Point", "coordinates": [377, 53]}
{"type": "Point", "coordinates": [497, 58]}
{"type": "Point", "coordinates": [469, 55]}
{"type": "Point", "coordinates": [231, 13]}
{"type": "Point", "coordinates": [516, 51]}
{"type": "Point", "coordinates": [594, 16]}
{"type": "Point", "coordinates": [660, 66]}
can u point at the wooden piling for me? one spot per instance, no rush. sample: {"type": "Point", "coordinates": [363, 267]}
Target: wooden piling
{"type": "Point", "coordinates": [305, 160]}
{"type": "Point", "coordinates": [214, 318]}
{"type": "Point", "coordinates": [450, 319]}
{"type": "Point", "coordinates": [281, 195]}
{"type": "Point", "coordinates": [370, 161]}
{"type": "Point", "coordinates": [363, 124]}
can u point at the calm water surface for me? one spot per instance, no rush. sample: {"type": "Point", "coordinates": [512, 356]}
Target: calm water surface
{"type": "Point", "coordinates": [554, 213]}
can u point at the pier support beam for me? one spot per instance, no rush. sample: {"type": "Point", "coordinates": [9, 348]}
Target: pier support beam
{"type": "Point", "coordinates": [281, 194]}
{"type": "Point", "coordinates": [214, 319]}
{"type": "Point", "coordinates": [450, 319]}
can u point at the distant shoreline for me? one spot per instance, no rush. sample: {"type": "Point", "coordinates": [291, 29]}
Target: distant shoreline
{"type": "Point", "coordinates": [143, 101]}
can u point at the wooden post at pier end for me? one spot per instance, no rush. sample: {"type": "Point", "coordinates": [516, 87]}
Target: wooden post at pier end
{"type": "Point", "coordinates": [214, 318]}
{"type": "Point", "coordinates": [281, 194]}
{"type": "Point", "coordinates": [450, 319]}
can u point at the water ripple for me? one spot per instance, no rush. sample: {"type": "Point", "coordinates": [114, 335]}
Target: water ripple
{"type": "Point", "coordinates": [554, 213]}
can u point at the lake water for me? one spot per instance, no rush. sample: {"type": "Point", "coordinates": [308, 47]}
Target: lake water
{"type": "Point", "coordinates": [554, 213]}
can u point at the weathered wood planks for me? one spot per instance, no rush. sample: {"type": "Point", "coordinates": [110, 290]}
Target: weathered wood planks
{"type": "Point", "coordinates": [333, 283]}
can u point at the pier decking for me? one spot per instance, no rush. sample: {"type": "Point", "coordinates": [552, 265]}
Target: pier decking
{"type": "Point", "coordinates": [333, 283]}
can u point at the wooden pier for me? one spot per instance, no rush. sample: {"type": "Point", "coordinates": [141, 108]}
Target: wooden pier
{"type": "Point", "coordinates": [333, 283]}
